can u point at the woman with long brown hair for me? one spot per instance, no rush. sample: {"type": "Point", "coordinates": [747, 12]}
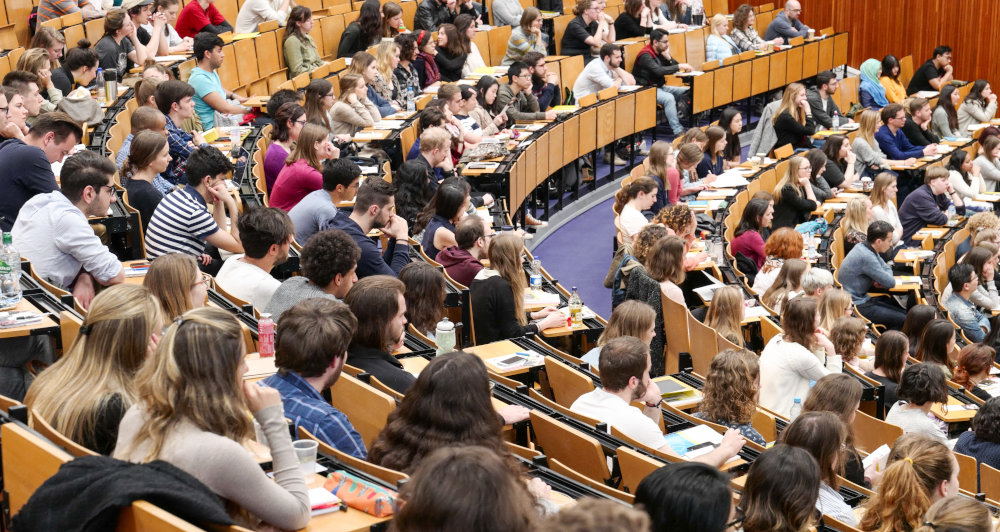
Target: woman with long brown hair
{"type": "Point", "coordinates": [730, 394]}
{"type": "Point", "coordinates": [725, 314]}
{"type": "Point", "coordinates": [630, 318]}
{"type": "Point", "coordinates": [424, 295]}
{"type": "Point", "coordinates": [353, 110]}
{"type": "Point", "coordinates": [793, 121]}
{"type": "Point", "coordinates": [451, 53]}
{"type": "Point", "coordinates": [177, 283]}
{"type": "Point", "coordinates": [303, 168]}
{"type": "Point", "coordinates": [974, 364]}
{"type": "Point", "coordinates": [787, 363]}
{"type": "Point", "coordinates": [364, 32]}
{"type": "Point", "coordinates": [840, 393]}
{"type": "Point", "coordinates": [822, 434]}
{"type": "Point", "coordinates": [301, 54]}
{"type": "Point", "coordinates": [665, 264]}
{"type": "Point", "coordinates": [787, 284]}
{"type": "Point", "coordinates": [891, 351]}
{"type": "Point", "coordinates": [781, 491]}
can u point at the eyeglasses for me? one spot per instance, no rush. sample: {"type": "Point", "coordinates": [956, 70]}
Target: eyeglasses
{"type": "Point", "coordinates": [739, 518]}
{"type": "Point", "coordinates": [300, 122]}
{"type": "Point", "coordinates": [206, 280]}
{"type": "Point", "coordinates": [524, 75]}
{"type": "Point", "coordinates": [112, 191]}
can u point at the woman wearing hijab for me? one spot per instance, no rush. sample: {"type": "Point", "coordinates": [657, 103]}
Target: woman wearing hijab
{"type": "Point", "coordinates": [872, 92]}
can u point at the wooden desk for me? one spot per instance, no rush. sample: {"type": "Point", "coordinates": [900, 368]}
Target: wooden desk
{"type": "Point", "coordinates": [347, 521]}
{"type": "Point", "coordinates": [414, 364]}
{"type": "Point", "coordinates": [45, 326]}
{"type": "Point", "coordinates": [934, 232]}
{"type": "Point", "coordinates": [134, 279]}
{"type": "Point", "coordinates": [906, 284]}
{"type": "Point", "coordinates": [956, 416]}
{"type": "Point", "coordinates": [498, 349]}
{"type": "Point", "coordinates": [556, 332]}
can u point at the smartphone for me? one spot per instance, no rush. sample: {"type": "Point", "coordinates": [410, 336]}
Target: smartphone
{"type": "Point", "coordinates": [510, 361]}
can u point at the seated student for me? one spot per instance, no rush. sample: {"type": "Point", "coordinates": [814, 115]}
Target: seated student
{"type": "Point", "coordinates": [630, 202]}
{"type": "Point", "coordinates": [756, 217]}
{"type": "Point", "coordinates": [53, 9]}
{"type": "Point", "coordinates": [665, 265]}
{"type": "Point", "coordinates": [48, 141]}
{"type": "Point", "coordinates": [719, 44]}
{"type": "Point", "coordinates": [630, 318]}
{"type": "Point", "coordinates": [983, 441]}
{"type": "Point", "coordinates": [821, 100]}
{"type": "Point", "coordinates": [364, 65]}
{"type": "Point", "coordinates": [154, 39]}
{"type": "Point", "coordinates": [373, 209]}
{"type": "Point", "coordinates": [198, 375]}
{"type": "Point", "coordinates": [328, 260]}
{"type": "Point", "coordinates": [840, 394]}
{"type": "Point", "coordinates": [79, 68]}
{"type": "Point", "coordinates": [386, 85]}
{"type": "Point", "coordinates": [142, 119]}
{"type": "Point", "coordinates": [848, 338]}
{"type": "Point", "coordinates": [786, 286]}
{"type": "Point", "coordinates": [603, 74]}
{"type": "Point", "coordinates": [794, 198]}
{"type": "Point", "coordinates": [425, 65]}
{"type": "Point", "coordinates": [52, 231]}
{"type": "Point", "coordinates": [934, 74]}
{"type": "Point", "coordinates": [730, 393]}
{"type": "Point", "coordinates": [353, 110]}
{"type": "Point", "coordinates": [253, 12]}
{"type": "Point", "coordinates": [624, 370]}
{"type": "Point", "coordinates": [784, 243]}
{"type": "Point", "coordinates": [377, 302]}
{"type": "Point", "coordinates": [405, 72]}
{"type": "Point", "coordinates": [839, 172]}
{"type": "Point", "coordinates": [526, 37]}
{"type": "Point", "coordinates": [314, 212]}
{"type": "Point", "coordinates": [175, 99]}
{"type": "Point", "coordinates": [815, 282]}
{"type": "Point", "coordinates": [944, 119]}
{"type": "Point", "coordinates": [202, 17]}
{"type": "Point", "coordinates": [894, 90]}
{"type": "Point", "coordinates": [966, 178]}
{"type": "Point", "coordinates": [517, 94]}
{"type": "Point", "coordinates": [35, 61]}
{"type": "Point", "coordinates": [210, 97]}
{"type": "Point", "coordinates": [891, 139]}
{"type": "Point", "coordinates": [177, 283]}
{"type": "Point", "coordinates": [364, 32]}
{"type": "Point", "coordinates": [86, 392]}
{"type": "Point", "coordinates": [870, 91]}
{"type": "Point", "coordinates": [15, 125]}
{"type": "Point", "coordinates": [974, 363]}
{"type": "Point", "coordinates": [473, 235]}
{"type": "Point", "coordinates": [634, 21]}
{"type": "Point", "coordinates": [781, 490]}
{"type": "Point", "coordinates": [310, 350]}
{"type": "Point", "coordinates": [725, 314]}
{"type": "Point", "coordinates": [917, 127]}
{"type": "Point", "coordinates": [149, 156]}
{"type": "Point", "coordinates": [988, 161]}
{"type": "Point", "coordinates": [786, 24]}
{"type": "Point", "coordinates": [920, 387]}
{"type": "Point", "coordinates": [26, 84]}
{"type": "Point", "coordinates": [417, 179]}
{"type": "Point", "coordinates": [891, 352]}
{"type": "Point", "coordinates": [437, 221]}
{"type": "Point", "coordinates": [713, 161]}
{"type": "Point", "coordinates": [431, 14]}
{"type": "Point", "coordinates": [823, 435]}
{"type": "Point", "coordinates": [964, 282]}
{"type": "Point", "coordinates": [787, 363]}
{"type": "Point", "coordinates": [498, 296]}
{"type": "Point", "coordinates": [266, 115]}
{"type": "Point", "coordinates": [982, 260]}
{"type": "Point", "coordinates": [927, 204]}
{"type": "Point", "coordinates": [424, 294]}
{"type": "Point", "coordinates": [937, 345]}
{"type": "Point", "coordinates": [266, 234]}
{"type": "Point", "coordinates": [864, 268]}
{"type": "Point", "coordinates": [182, 223]}
{"type": "Point", "coordinates": [288, 123]}
{"type": "Point", "coordinates": [651, 65]}
{"type": "Point", "coordinates": [979, 106]}
{"type": "Point", "coordinates": [686, 496]}
{"type": "Point", "coordinates": [301, 54]}
{"type": "Point", "coordinates": [119, 49]}
{"type": "Point", "coordinates": [302, 172]}
{"type": "Point", "coordinates": [507, 12]}
{"type": "Point", "coordinates": [793, 121]}
{"type": "Point", "coordinates": [920, 471]}
{"type": "Point", "coordinates": [590, 29]}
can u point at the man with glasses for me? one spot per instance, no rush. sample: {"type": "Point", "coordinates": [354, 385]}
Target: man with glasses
{"type": "Point", "coordinates": [52, 230]}
{"type": "Point", "coordinates": [27, 163]}
{"type": "Point", "coordinates": [651, 65]}
{"type": "Point", "coordinates": [340, 183]}
{"type": "Point", "coordinates": [933, 74]}
{"type": "Point", "coordinates": [964, 282]}
{"type": "Point", "coordinates": [590, 29]}
{"type": "Point", "coordinates": [517, 94]}
{"type": "Point", "coordinates": [462, 262]}
{"type": "Point", "coordinates": [786, 24]}
{"type": "Point", "coordinates": [891, 139]}
{"type": "Point", "coordinates": [181, 222]}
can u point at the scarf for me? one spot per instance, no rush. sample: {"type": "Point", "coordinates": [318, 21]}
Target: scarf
{"type": "Point", "coordinates": [870, 83]}
{"type": "Point", "coordinates": [430, 68]}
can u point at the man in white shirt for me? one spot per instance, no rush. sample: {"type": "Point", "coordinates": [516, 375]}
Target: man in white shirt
{"type": "Point", "coordinates": [266, 234]}
{"type": "Point", "coordinates": [254, 12]}
{"type": "Point", "coordinates": [599, 75]}
{"type": "Point", "coordinates": [624, 367]}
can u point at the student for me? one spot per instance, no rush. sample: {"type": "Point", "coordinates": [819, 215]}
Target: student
{"type": "Point", "coordinates": [840, 393]}
{"type": "Point", "coordinates": [426, 66]}
{"type": "Point", "coordinates": [833, 305]}
{"type": "Point", "coordinates": [891, 352]}
{"type": "Point", "coordinates": [731, 121]}
{"type": "Point", "coordinates": [266, 234]}
{"type": "Point", "coordinates": [793, 120]}
{"type": "Point", "coordinates": [119, 49]}
{"type": "Point", "coordinates": [201, 17]}
{"type": "Point", "coordinates": [894, 90]}
{"type": "Point", "coordinates": [386, 84]}
{"type": "Point", "coordinates": [630, 202]}
{"type": "Point", "coordinates": [651, 65]}
{"type": "Point", "coordinates": [755, 218]}
{"type": "Point", "coordinates": [870, 91]}
{"type": "Point", "coordinates": [142, 119]}
{"type": "Point", "coordinates": [353, 110]}
{"type": "Point", "coordinates": [299, 48]}
{"type": "Point", "coordinates": [507, 12]}
{"type": "Point", "coordinates": [310, 350]}
{"type": "Point", "coordinates": [405, 72]}
{"type": "Point", "coordinates": [438, 219]}
{"type": "Point", "coordinates": [86, 392]}
{"type": "Point", "coordinates": [883, 196]}
{"type": "Point", "coordinates": [719, 44]}
{"type": "Point", "coordinates": [175, 99]}
{"type": "Point", "coordinates": [424, 294]}
{"type": "Point", "coordinates": [974, 363]}
{"type": "Point", "coordinates": [983, 441]}
{"type": "Point", "coordinates": [634, 20]}
{"type": "Point", "coordinates": [787, 285]}
{"type": "Point", "coordinates": [730, 393]}
{"type": "Point", "coordinates": [462, 261]}
{"type": "Point", "coordinates": [713, 161]}
{"type": "Point", "coordinates": [363, 64]}
{"type": "Point", "coordinates": [373, 209]}
{"type": "Point", "coordinates": [944, 120]}
{"type": "Point", "coordinates": [392, 21]}
{"type": "Point", "coordinates": [815, 283]}
{"type": "Point", "coordinates": [15, 124]}
{"type": "Point", "coordinates": [340, 183]}
{"type": "Point", "coordinates": [210, 97]}
{"type": "Point", "coordinates": [964, 282]}
{"type": "Point", "coordinates": [744, 32]}
{"type": "Point", "coordinates": [154, 41]}
{"type": "Point", "coordinates": [917, 128]}
{"type": "Point", "coordinates": [964, 176]}
{"type": "Point", "coordinates": [957, 513]}
{"type": "Point", "coordinates": [857, 218]}
{"type": "Point", "coordinates": [688, 496]}
{"type": "Point", "coordinates": [177, 283]}
{"type": "Point", "coordinates": [786, 24]}
{"type": "Point", "coordinates": [934, 74]}
{"type": "Point", "coordinates": [79, 68]}
{"type": "Point", "coordinates": [198, 375]}
{"type": "Point", "coordinates": [149, 156]}
{"type": "Point", "coordinates": [170, 9]}
{"type": "Point", "coordinates": [378, 303]}
{"type": "Point", "coordinates": [50, 39]}
{"type": "Point", "coordinates": [920, 387]}
{"type": "Point", "coordinates": [891, 139]}
{"type": "Point", "coordinates": [48, 141]}
{"type": "Point", "coordinates": [630, 318]}
{"type": "Point", "coordinates": [254, 12]}
{"type": "Point", "coordinates": [364, 32]}
{"type": "Point", "coordinates": [35, 61]}
{"type": "Point", "coordinates": [52, 230]}
{"type": "Point", "coordinates": [302, 172]}
{"type": "Point", "coordinates": [665, 264]}
{"type": "Point", "coordinates": [864, 268]}
{"type": "Point", "coordinates": [781, 490]}
{"type": "Point", "coordinates": [988, 162]}
{"type": "Point", "coordinates": [937, 345]}
{"type": "Point", "coordinates": [498, 296]}
{"type": "Point", "coordinates": [517, 94]}
{"type": "Point", "coordinates": [591, 29]}
{"type": "Point", "coordinates": [919, 471]}
{"type": "Point", "coordinates": [603, 74]}
{"type": "Point", "coordinates": [783, 244]}
{"type": "Point", "coordinates": [870, 157]}
{"type": "Point", "coordinates": [328, 259]}
{"type": "Point", "coordinates": [288, 124]}
{"type": "Point", "coordinates": [725, 314]}
{"type": "Point", "coordinates": [624, 366]}
{"type": "Point", "coordinates": [526, 37]}
{"type": "Point", "coordinates": [432, 14]}
{"type": "Point", "coordinates": [926, 205]}
{"type": "Point", "coordinates": [181, 222]}
{"type": "Point", "coordinates": [983, 262]}
{"type": "Point", "coordinates": [794, 199]}
{"type": "Point", "coordinates": [979, 106]}
{"type": "Point", "coordinates": [822, 434]}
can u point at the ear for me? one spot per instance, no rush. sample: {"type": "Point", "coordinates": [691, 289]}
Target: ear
{"type": "Point", "coordinates": [942, 488]}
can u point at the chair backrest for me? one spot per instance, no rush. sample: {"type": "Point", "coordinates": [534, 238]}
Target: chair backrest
{"type": "Point", "coordinates": [989, 482]}
{"type": "Point", "coordinates": [43, 427]}
{"type": "Point", "coordinates": [577, 450]}
{"type": "Point", "coordinates": [367, 408]}
{"type": "Point", "coordinates": [383, 473]}
{"type": "Point", "coordinates": [968, 474]}
{"type": "Point", "coordinates": [634, 467]}
{"type": "Point", "coordinates": [564, 410]}
{"type": "Point", "coordinates": [840, 526]}
{"type": "Point", "coordinates": [567, 471]}
{"type": "Point", "coordinates": [28, 461]}
{"type": "Point", "coordinates": [704, 345]}
{"type": "Point", "coordinates": [567, 383]}
{"type": "Point", "coordinates": [768, 329]}
{"type": "Point", "coordinates": [784, 152]}
{"type": "Point", "coordinates": [676, 334]}
{"type": "Point", "coordinates": [871, 433]}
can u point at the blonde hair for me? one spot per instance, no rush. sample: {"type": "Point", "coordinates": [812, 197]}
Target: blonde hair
{"type": "Point", "coordinates": [193, 379]}
{"type": "Point", "coordinates": [102, 362]}
{"type": "Point", "coordinates": [348, 84]}
{"type": "Point", "coordinates": [33, 60]}
{"type": "Point", "coordinates": [979, 221]}
{"type": "Point", "coordinates": [725, 314]}
{"type": "Point", "coordinates": [868, 123]}
{"type": "Point", "coordinates": [717, 21]}
{"type": "Point", "coordinates": [856, 216]}
{"type": "Point", "coordinates": [789, 280]}
{"type": "Point", "coordinates": [791, 178]}
{"type": "Point", "coordinates": [659, 152]}
{"type": "Point", "coordinates": [169, 278]}
{"type": "Point", "coordinates": [832, 306]}
{"type": "Point", "coordinates": [383, 59]}
{"type": "Point", "coordinates": [631, 318]}
{"type": "Point", "coordinates": [788, 103]}
{"type": "Point", "coordinates": [305, 146]}
{"type": "Point", "coordinates": [957, 513]}
{"type": "Point", "coordinates": [505, 258]}
{"type": "Point", "coordinates": [878, 195]}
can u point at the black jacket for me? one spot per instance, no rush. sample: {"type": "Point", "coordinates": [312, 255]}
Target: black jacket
{"type": "Point", "coordinates": [918, 136]}
{"type": "Point", "coordinates": [493, 311]}
{"type": "Point", "coordinates": [450, 65]}
{"type": "Point", "coordinates": [381, 365]}
{"type": "Point", "coordinates": [431, 14]}
{"type": "Point", "coordinates": [650, 68]}
{"type": "Point", "coordinates": [352, 41]}
{"type": "Point", "coordinates": [87, 493]}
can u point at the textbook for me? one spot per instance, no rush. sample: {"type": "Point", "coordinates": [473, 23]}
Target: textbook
{"type": "Point", "coordinates": [693, 442]}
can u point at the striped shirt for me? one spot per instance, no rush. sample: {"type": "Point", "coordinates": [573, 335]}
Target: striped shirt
{"type": "Point", "coordinates": [51, 9]}
{"type": "Point", "coordinates": [180, 224]}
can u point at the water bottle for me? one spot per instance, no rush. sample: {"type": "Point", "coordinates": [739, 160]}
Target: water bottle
{"type": "Point", "coordinates": [810, 244]}
{"type": "Point", "coordinates": [836, 120]}
{"type": "Point", "coordinates": [235, 141]}
{"type": "Point", "coordinates": [101, 96]}
{"type": "Point", "coordinates": [796, 409]}
{"type": "Point", "coordinates": [535, 275]}
{"type": "Point", "coordinates": [951, 211]}
{"type": "Point", "coordinates": [444, 336]}
{"type": "Point", "coordinates": [717, 249]}
{"type": "Point", "coordinates": [10, 273]}
{"type": "Point", "coordinates": [575, 308]}
{"type": "Point", "coordinates": [265, 336]}
{"type": "Point", "coordinates": [411, 101]}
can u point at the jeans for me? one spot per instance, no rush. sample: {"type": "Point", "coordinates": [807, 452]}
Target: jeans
{"type": "Point", "coordinates": [666, 96]}
{"type": "Point", "coordinates": [883, 311]}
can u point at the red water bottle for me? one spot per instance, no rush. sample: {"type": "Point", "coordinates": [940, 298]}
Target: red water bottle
{"type": "Point", "coordinates": [265, 335]}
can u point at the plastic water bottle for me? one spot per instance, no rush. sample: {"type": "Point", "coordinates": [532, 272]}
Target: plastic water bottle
{"type": "Point", "coordinates": [10, 273]}
{"type": "Point", "coordinates": [101, 96]}
{"type": "Point", "coordinates": [836, 121]}
{"type": "Point", "coordinates": [951, 211]}
{"type": "Point", "coordinates": [535, 276]}
{"type": "Point", "coordinates": [810, 244]}
{"type": "Point", "coordinates": [576, 308]}
{"type": "Point", "coordinates": [717, 249]}
{"type": "Point", "coordinates": [444, 336]}
{"type": "Point", "coordinates": [411, 100]}
{"type": "Point", "coordinates": [796, 409]}
{"type": "Point", "coordinates": [265, 336]}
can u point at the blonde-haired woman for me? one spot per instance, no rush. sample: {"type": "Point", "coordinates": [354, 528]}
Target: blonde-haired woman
{"type": "Point", "coordinates": [794, 198]}
{"type": "Point", "coordinates": [793, 121]}
{"type": "Point", "coordinates": [787, 285]}
{"type": "Point", "coordinates": [302, 173]}
{"type": "Point", "coordinates": [857, 217]}
{"type": "Point", "coordinates": [86, 392]}
{"type": "Point", "coordinates": [869, 157]}
{"type": "Point", "coordinates": [725, 314]}
{"type": "Point", "coordinates": [353, 110]}
{"type": "Point", "coordinates": [883, 198]}
{"type": "Point", "coordinates": [38, 62]}
{"type": "Point", "coordinates": [957, 513]}
{"type": "Point", "coordinates": [665, 264]}
{"type": "Point", "coordinates": [386, 84]}
{"type": "Point", "coordinates": [497, 296]}
{"type": "Point", "coordinates": [631, 318]}
{"type": "Point", "coordinates": [177, 283]}
{"type": "Point", "coordinates": [192, 413]}
{"type": "Point", "coordinates": [835, 303]}
{"type": "Point", "coordinates": [730, 394]}
{"type": "Point", "coordinates": [719, 44]}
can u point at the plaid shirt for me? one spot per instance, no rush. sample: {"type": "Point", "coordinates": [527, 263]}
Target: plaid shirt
{"type": "Point", "coordinates": [181, 146]}
{"type": "Point", "coordinates": [747, 39]}
{"type": "Point", "coordinates": [307, 408]}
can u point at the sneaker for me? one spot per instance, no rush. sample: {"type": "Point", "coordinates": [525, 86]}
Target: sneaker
{"type": "Point", "coordinates": [618, 160]}
{"type": "Point", "coordinates": [534, 222]}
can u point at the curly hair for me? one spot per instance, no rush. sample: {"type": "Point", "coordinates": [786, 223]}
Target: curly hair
{"type": "Point", "coordinates": [676, 217]}
{"type": "Point", "coordinates": [326, 254]}
{"type": "Point", "coordinates": [982, 220]}
{"type": "Point", "coordinates": [449, 404]}
{"type": "Point", "coordinates": [645, 239]}
{"type": "Point", "coordinates": [784, 243]}
{"type": "Point", "coordinates": [730, 393]}
{"type": "Point", "coordinates": [590, 514]}
{"type": "Point", "coordinates": [741, 17]}
{"type": "Point", "coordinates": [425, 291]}
{"type": "Point", "coordinates": [847, 335]}
{"type": "Point", "coordinates": [986, 423]}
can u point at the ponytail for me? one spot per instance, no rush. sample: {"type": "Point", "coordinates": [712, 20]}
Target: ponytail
{"type": "Point", "coordinates": [629, 192]}
{"type": "Point", "coordinates": [917, 466]}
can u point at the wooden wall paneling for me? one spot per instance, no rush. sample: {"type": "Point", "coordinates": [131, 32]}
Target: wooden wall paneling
{"type": "Point", "coordinates": [645, 109]}
{"type": "Point", "coordinates": [825, 54]}
{"type": "Point", "coordinates": [624, 116]}
{"type": "Point", "coordinates": [678, 47]}
{"type": "Point", "coordinates": [702, 97]}
{"type": "Point", "coordinates": [810, 60]}
{"type": "Point", "coordinates": [840, 49]}
{"type": "Point", "coordinates": [793, 65]}
{"type": "Point", "coordinates": [760, 76]}
{"type": "Point", "coordinates": [571, 140]}
{"type": "Point", "coordinates": [588, 130]}
{"type": "Point", "coordinates": [742, 75]}
{"type": "Point", "coordinates": [694, 43]}
{"type": "Point", "coordinates": [556, 147]}
{"type": "Point", "coordinates": [778, 65]}
{"type": "Point", "coordinates": [605, 123]}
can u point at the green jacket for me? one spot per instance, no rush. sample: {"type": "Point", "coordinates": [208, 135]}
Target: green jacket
{"type": "Point", "coordinates": [301, 56]}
